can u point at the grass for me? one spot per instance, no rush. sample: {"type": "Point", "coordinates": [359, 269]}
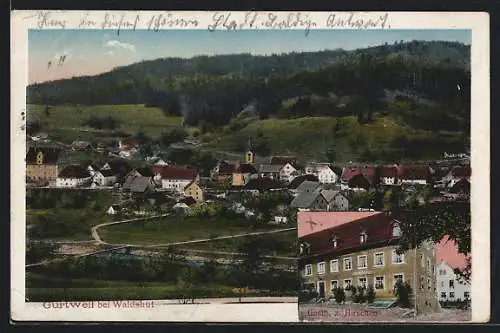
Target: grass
{"type": "Point", "coordinates": [167, 230]}
{"type": "Point", "coordinates": [66, 121]}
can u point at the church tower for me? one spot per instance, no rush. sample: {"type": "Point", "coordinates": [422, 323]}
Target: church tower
{"type": "Point", "coordinates": [249, 157]}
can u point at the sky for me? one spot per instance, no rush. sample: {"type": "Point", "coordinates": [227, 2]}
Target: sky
{"type": "Point", "coordinates": [90, 52]}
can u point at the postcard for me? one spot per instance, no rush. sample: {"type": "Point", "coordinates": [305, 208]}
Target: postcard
{"type": "Point", "coordinates": [250, 166]}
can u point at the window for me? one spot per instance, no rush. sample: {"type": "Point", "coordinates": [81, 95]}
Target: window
{"type": "Point", "coordinates": [443, 295]}
{"type": "Point", "coordinates": [308, 270]}
{"type": "Point", "coordinates": [335, 284]}
{"type": "Point", "coordinates": [362, 282]}
{"type": "Point", "coordinates": [398, 278]}
{"type": "Point", "coordinates": [452, 284]}
{"type": "Point", "coordinates": [429, 268]}
{"type": "Point", "coordinates": [379, 282]}
{"type": "Point", "coordinates": [334, 265]}
{"type": "Point", "coordinates": [429, 284]}
{"type": "Point", "coordinates": [452, 294]}
{"type": "Point", "coordinates": [347, 264]}
{"type": "Point", "coordinates": [422, 261]}
{"type": "Point", "coordinates": [334, 241]}
{"type": "Point", "coordinates": [347, 284]}
{"type": "Point", "coordinates": [442, 272]}
{"type": "Point", "coordinates": [466, 294]}
{"type": "Point", "coordinates": [442, 284]}
{"type": "Point", "coordinates": [362, 237]}
{"type": "Point", "coordinates": [396, 230]}
{"type": "Point", "coordinates": [321, 267]}
{"type": "Point", "coordinates": [378, 259]}
{"type": "Point", "coordinates": [362, 262]}
{"type": "Point", "coordinates": [397, 258]}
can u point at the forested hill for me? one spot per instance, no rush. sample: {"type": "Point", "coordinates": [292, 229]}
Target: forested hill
{"type": "Point", "coordinates": [216, 89]}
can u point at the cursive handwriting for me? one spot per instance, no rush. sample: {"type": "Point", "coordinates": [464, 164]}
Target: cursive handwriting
{"type": "Point", "coordinates": [118, 22]}
{"type": "Point", "coordinates": [292, 20]}
{"type": "Point", "coordinates": [158, 22]}
{"type": "Point", "coordinates": [44, 19]}
{"type": "Point", "coordinates": [354, 20]}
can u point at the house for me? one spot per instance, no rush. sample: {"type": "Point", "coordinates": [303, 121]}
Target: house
{"type": "Point", "coordinates": [43, 164]}
{"type": "Point", "coordinates": [271, 171]}
{"type": "Point", "coordinates": [279, 219]}
{"type": "Point", "coordinates": [242, 174]}
{"type": "Point", "coordinates": [313, 168]}
{"type": "Point", "coordinates": [113, 210]}
{"type": "Point", "coordinates": [337, 202]}
{"type": "Point", "coordinates": [450, 286]}
{"type": "Point", "coordinates": [414, 174]}
{"type": "Point", "coordinates": [119, 167]}
{"type": "Point", "coordinates": [194, 191]}
{"type": "Point", "coordinates": [328, 175]}
{"type": "Point", "coordinates": [160, 162]}
{"type": "Point", "coordinates": [174, 178]}
{"type": "Point", "coordinates": [359, 178]}
{"type": "Point", "coordinates": [309, 201]}
{"type": "Point", "coordinates": [308, 187]}
{"type": "Point", "coordinates": [138, 185]}
{"type": "Point", "coordinates": [104, 177]}
{"type": "Point", "coordinates": [388, 174]}
{"type": "Point", "coordinates": [73, 176]}
{"type": "Point", "coordinates": [223, 169]}
{"type": "Point", "coordinates": [288, 166]}
{"type": "Point", "coordinates": [456, 174]}
{"type": "Point", "coordinates": [145, 172]}
{"type": "Point", "coordinates": [359, 249]}
{"type": "Point", "coordinates": [294, 184]}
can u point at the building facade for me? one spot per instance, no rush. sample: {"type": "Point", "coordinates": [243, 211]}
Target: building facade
{"type": "Point", "coordinates": [450, 286]}
{"type": "Point", "coordinates": [43, 164]}
{"type": "Point", "coordinates": [344, 249]}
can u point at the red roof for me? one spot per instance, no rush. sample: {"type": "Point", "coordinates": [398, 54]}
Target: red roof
{"type": "Point", "coordinates": [414, 172]}
{"type": "Point", "coordinates": [388, 171]}
{"type": "Point", "coordinates": [171, 172]}
{"type": "Point", "coordinates": [367, 172]}
{"type": "Point", "coordinates": [327, 220]}
{"type": "Point", "coordinates": [447, 251]}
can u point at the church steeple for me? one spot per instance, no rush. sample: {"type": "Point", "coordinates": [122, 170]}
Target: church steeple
{"type": "Point", "coordinates": [249, 157]}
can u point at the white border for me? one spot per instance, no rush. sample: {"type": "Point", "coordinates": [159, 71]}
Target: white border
{"type": "Point", "coordinates": [478, 22]}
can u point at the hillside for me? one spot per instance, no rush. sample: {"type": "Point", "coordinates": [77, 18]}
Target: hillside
{"type": "Point", "coordinates": [363, 104]}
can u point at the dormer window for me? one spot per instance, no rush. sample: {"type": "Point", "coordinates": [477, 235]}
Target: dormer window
{"type": "Point", "coordinates": [396, 230]}
{"type": "Point", "coordinates": [334, 241]}
{"type": "Point", "coordinates": [363, 236]}
{"type": "Point", "coordinates": [304, 249]}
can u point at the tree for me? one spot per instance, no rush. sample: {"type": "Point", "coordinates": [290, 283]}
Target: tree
{"type": "Point", "coordinates": [403, 293]}
{"type": "Point", "coordinates": [339, 295]}
{"type": "Point", "coordinates": [370, 294]}
{"type": "Point", "coordinates": [331, 154]}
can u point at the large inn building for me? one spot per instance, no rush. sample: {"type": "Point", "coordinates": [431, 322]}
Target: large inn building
{"type": "Point", "coordinates": [342, 249]}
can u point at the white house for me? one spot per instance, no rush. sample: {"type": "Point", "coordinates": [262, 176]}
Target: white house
{"type": "Point", "coordinates": [326, 175]}
{"type": "Point", "coordinates": [286, 172]}
{"type": "Point", "coordinates": [388, 175]}
{"type": "Point", "coordinates": [104, 177]}
{"type": "Point", "coordinates": [73, 176]}
{"type": "Point", "coordinates": [174, 178]}
{"type": "Point", "coordinates": [113, 210]}
{"type": "Point", "coordinates": [450, 286]}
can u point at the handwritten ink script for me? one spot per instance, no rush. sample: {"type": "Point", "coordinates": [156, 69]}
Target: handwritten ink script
{"type": "Point", "coordinates": [218, 21]}
{"type": "Point", "coordinates": [258, 20]}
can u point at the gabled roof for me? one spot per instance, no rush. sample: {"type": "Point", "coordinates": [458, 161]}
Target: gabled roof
{"type": "Point", "coordinates": [388, 171]}
{"type": "Point", "coordinates": [414, 172]}
{"type": "Point", "coordinates": [246, 168]}
{"type": "Point", "coordinates": [120, 166]}
{"type": "Point", "coordinates": [367, 172]}
{"type": "Point", "coordinates": [146, 172]}
{"type": "Point", "coordinates": [282, 160]}
{"type": "Point", "coordinates": [329, 194]}
{"type": "Point", "coordinates": [313, 222]}
{"type": "Point", "coordinates": [189, 184]}
{"type": "Point", "coordinates": [304, 199]}
{"type": "Point", "coordinates": [107, 172]}
{"type": "Point", "coordinates": [226, 169]}
{"type": "Point", "coordinates": [308, 186]}
{"type": "Point", "coordinates": [171, 172]}
{"type": "Point", "coordinates": [138, 184]}
{"type": "Point", "coordinates": [300, 179]}
{"type": "Point", "coordinates": [447, 251]}
{"type": "Point", "coordinates": [74, 171]}
{"type": "Point", "coordinates": [189, 201]}
{"type": "Point", "coordinates": [51, 154]}
{"type": "Point", "coordinates": [270, 168]}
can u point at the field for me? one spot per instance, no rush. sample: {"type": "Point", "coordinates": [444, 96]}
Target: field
{"type": "Point", "coordinates": [67, 121]}
{"type": "Point", "coordinates": [311, 137]}
{"type": "Point", "coordinates": [168, 230]}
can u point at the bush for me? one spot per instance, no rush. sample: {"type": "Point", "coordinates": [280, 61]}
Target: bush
{"type": "Point", "coordinates": [370, 294]}
{"type": "Point", "coordinates": [360, 296]}
{"type": "Point", "coordinates": [339, 295]}
{"type": "Point", "coordinates": [403, 293]}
